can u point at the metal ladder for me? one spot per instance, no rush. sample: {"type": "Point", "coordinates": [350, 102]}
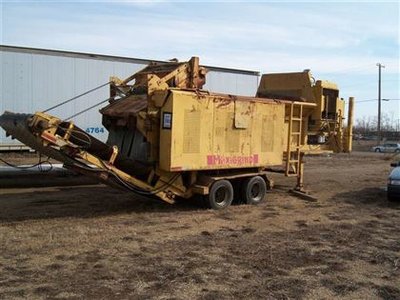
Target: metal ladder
{"type": "Point", "coordinates": [294, 142]}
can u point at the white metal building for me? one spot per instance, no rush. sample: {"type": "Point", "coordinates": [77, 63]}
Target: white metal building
{"type": "Point", "coordinates": [36, 79]}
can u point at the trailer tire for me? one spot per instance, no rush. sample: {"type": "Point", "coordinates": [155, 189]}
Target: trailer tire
{"type": "Point", "coordinates": [254, 190]}
{"type": "Point", "coordinates": [220, 195]}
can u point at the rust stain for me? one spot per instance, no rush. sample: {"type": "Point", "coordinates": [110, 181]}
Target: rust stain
{"type": "Point", "coordinates": [222, 102]}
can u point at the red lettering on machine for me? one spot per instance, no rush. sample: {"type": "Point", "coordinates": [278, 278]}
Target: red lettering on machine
{"type": "Point", "coordinates": [238, 160]}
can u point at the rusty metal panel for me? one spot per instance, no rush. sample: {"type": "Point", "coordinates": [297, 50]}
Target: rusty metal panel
{"type": "Point", "coordinates": [296, 85]}
{"type": "Point", "coordinates": [125, 108]}
{"type": "Point", "coordinates": [203, 134]}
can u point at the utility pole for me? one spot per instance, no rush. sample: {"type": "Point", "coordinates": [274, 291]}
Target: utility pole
{"type": "Point", "coordinates": [380, 66]}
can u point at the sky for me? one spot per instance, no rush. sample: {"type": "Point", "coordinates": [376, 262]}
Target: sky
{"type": "Point", "coordinates": [339, 41]}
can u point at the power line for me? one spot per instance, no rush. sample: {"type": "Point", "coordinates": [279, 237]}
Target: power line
{"type": "Point", "coordinates": [370, 100]}
{"type": "Point", "coordinates": [377, 100]}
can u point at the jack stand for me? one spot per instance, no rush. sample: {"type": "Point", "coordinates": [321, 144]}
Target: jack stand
{"type": "Point", "coordinates": [303, 195]}
{"type": "Point", "coordinates": [299, 190]}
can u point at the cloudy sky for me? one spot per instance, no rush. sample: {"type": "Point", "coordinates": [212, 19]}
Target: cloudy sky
{"type": "Point", "coordinates": [338, 41]}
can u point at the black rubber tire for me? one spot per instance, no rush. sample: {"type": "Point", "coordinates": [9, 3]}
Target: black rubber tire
{"type": "Point", "coordinates": [254, 190]}
{"type": "Point", "coordinates": [220, 195]}
{"type": "Point", "coordinates": [397, 151]}
{"type": "Point", "coordinates": [378, 150]}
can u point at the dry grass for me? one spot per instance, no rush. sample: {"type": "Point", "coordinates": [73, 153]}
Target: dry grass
{"type": "Point", "coordinates": [98, 243]}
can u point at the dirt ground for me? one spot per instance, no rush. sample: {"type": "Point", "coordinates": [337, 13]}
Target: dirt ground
{"type": "Point", "coordinates": [94, 242]}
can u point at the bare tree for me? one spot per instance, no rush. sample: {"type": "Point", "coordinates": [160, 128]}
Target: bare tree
{"type": "Point", "coordinates": [368, 125]}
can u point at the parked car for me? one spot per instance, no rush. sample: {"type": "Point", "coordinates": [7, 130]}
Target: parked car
{"type": "Point", "coordinates": [387, 147]}
{"type": "Point", "coordinates": [393, 187]}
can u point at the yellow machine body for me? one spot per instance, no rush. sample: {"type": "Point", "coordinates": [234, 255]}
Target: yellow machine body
{"type": "Point", "coordinates": [324, 123]}
{"type": "Point", "coordinates": [201, 131]}
{"type": "Point", "coordinates": [168, 137]}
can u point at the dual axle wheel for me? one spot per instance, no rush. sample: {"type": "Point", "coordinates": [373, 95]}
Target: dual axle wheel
{"type": "Point", "coordinates": [252, 191]}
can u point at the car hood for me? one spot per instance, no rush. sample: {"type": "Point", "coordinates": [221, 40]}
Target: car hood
{"type": "Point", "coordinates": [395, 174]}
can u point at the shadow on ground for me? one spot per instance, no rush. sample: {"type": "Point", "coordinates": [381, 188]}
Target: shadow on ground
{"type": "Point", "coordinates": [83, 202]}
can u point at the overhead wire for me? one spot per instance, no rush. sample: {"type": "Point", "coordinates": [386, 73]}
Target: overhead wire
{"type": "Point", "coordinates": [370, 100]}
{"type": "Point", "coordinates": [76, 97]}
{"type": "Point", "coordinates": [93, 106]}
{"type": "Point", "coordinates": [87, 109]}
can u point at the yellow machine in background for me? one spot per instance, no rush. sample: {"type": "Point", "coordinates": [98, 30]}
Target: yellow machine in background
{"type": "Point", "coordinates": [322, 127]}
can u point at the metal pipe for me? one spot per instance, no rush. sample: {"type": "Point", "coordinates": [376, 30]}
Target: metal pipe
{"type": "Point", "coordinates": [24, 170]}
{"type": "Point", "coordinates": [380, 66]}
{"type": "Point", "coordinates": [55, 175]}
{"type": "Point", "coordinates": [349, 144]}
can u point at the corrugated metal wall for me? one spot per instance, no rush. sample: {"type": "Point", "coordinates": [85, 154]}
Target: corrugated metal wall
{"type": "Point", "coordinates": [31, 82]}
{"type": "Point", "coordinates": [232, 83]}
